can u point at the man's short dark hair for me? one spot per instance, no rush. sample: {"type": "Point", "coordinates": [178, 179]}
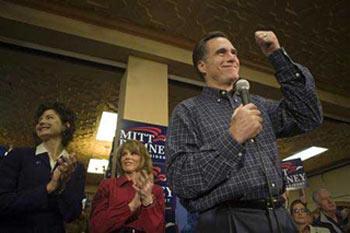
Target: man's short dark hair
{"type": "Point", "coordinates": [65, 114]}
{"type": "Point", "coordinates": [200, 49]}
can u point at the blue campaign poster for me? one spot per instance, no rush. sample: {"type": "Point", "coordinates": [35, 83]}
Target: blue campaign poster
{"type": "Point", "coordinates": [293, 171]}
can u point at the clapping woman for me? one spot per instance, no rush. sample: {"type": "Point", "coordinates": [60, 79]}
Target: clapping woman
{"type": "Point", "coordinates": [42, 187]}
{"type": "Point", "coordinates": [130, 202]}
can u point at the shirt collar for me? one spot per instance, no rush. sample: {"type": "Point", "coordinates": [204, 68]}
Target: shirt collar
{"type": "Point", "coordinates": [121, 180]}
{"type": "Point", "coordinates": [40, 149]}
{"type": "Point", "coordinates": [214, 92]}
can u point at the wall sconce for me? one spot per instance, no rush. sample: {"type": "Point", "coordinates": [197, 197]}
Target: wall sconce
{"type": "Point", "coordinates": [107, 126]}
{"type": "Point", "coordinates": [307, 153]}
{"type": "Point", "coordinates": [97, 166]}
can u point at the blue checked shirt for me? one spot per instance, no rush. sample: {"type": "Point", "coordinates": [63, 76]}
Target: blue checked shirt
{"type": "Point", "coordinates": [206, 166]}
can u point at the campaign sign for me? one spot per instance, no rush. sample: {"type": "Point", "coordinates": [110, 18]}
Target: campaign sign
{"type": "Point", "coordinates": [153, 137]}
{"type": "Point", "coordinates": [293, 171]}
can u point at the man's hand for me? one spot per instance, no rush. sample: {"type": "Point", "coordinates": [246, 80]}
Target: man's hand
{"type": "Point", "coordinates": [267, 42]}
{"type": "Point", "coordinates": [62, 173]}
{"type": "Point", "coordinates": [246, 123]}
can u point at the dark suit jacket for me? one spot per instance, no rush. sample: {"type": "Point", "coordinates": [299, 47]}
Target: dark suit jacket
{"type": "Point", "coordinates": [25, 205]}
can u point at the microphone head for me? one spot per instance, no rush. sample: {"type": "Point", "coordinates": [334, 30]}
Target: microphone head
{"type": "Point", "coordinates": [242, 84]}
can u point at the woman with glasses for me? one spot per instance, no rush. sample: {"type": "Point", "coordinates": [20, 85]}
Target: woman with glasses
{"type": "Point", "coordinates": [303, 219]}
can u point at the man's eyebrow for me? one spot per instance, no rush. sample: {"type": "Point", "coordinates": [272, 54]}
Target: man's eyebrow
{"type": "Point", "coordinates": [223, 50]}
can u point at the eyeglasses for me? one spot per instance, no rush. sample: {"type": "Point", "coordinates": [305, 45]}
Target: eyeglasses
{"type": "Point", "coordinates": [297, 211]}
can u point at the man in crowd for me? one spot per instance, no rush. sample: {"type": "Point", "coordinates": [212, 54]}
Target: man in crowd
{"type": "Point", "coordinates": [330, 217]}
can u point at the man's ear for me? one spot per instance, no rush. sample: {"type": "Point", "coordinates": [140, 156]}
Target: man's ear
{"type": "Point", "coordinates": [202, 67]}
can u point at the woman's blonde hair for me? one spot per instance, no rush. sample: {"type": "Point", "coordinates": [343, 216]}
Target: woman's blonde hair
{"type": "Point", "coordinates": [134, 146]}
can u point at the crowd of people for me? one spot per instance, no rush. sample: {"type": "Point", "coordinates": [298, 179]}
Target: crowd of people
{"type": "Point", "coordinates": [221, 157]}
{"type": "Point", "coordinates": [42, 188]}
{"type": "Point", "coordinates": [326, 218]}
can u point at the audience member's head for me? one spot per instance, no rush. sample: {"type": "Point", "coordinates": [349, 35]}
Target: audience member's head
{"type": "Point", "coordinates": [142, 157]}
{"type": "Point", "coordinates": [65, 124]}
{"type": "Point", "coordinates": [324, 201]}
{"type": "Point", "coordinates": [300, 213]}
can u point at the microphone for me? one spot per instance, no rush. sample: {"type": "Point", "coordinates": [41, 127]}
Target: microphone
{"type": "Point", "coordinates": [242, 88]}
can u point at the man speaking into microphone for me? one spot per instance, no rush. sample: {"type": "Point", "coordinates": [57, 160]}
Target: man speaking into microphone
{"type": "Point", "coordinates": [222, 156]}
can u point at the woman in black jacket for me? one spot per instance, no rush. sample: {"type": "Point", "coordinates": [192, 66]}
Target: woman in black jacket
{"type": "Point", "coordinates": [42, 187]}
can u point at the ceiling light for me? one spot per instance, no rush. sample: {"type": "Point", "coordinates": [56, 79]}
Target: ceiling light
{"type": "Point", "coordinates": [307, 153]}
{"type": "Point", "coordinates": [108, 124]}
{"type": "Point", "coordinates": [97, 166]}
